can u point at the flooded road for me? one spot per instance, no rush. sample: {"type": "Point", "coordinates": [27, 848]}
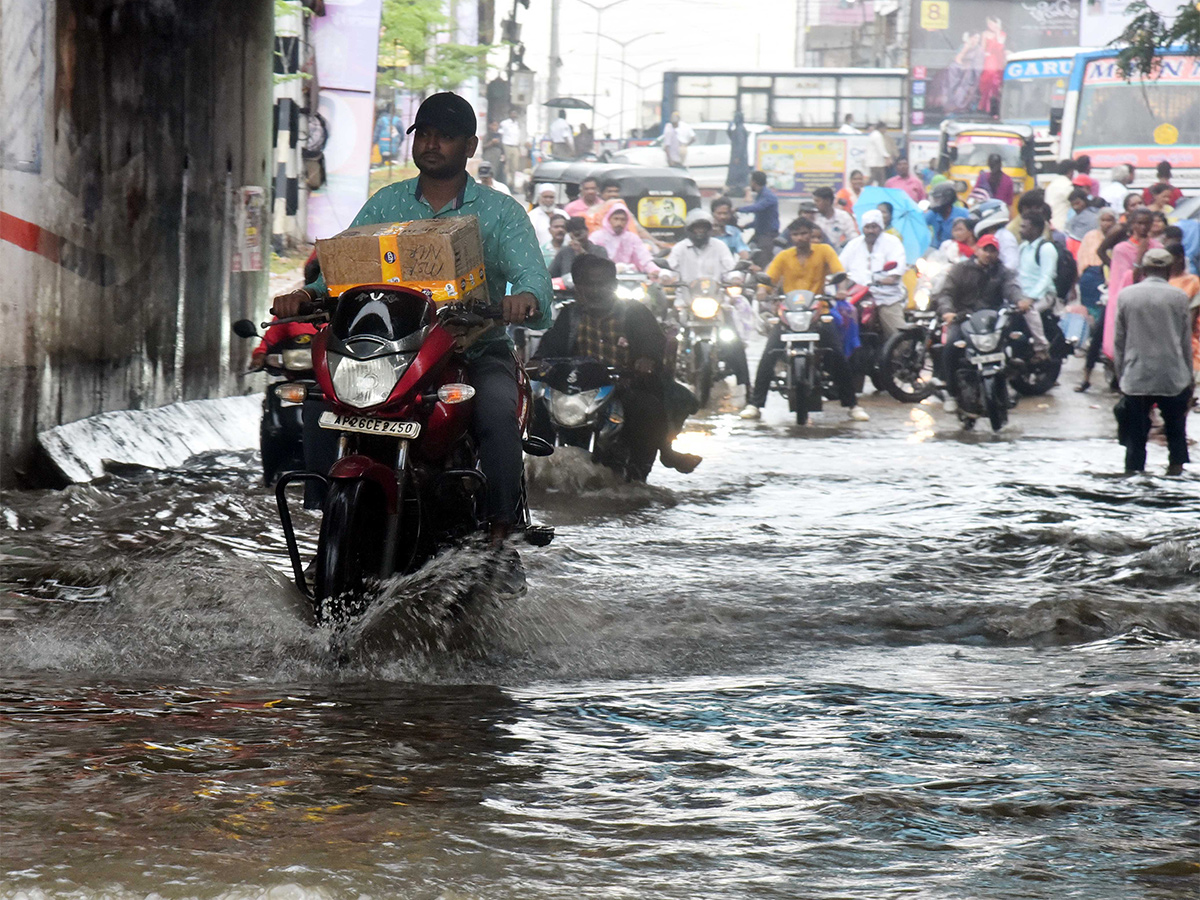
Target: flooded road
{"type": "Point", "coordinates": [848, 661]}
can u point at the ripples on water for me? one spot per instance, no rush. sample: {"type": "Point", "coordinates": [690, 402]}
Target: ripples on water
{"type": "Point", "coordinates": [818, 668]}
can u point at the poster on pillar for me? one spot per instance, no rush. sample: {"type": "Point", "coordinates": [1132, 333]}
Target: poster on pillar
{"type": "Point", "coordinates": [962, 46]}
{"type": "Point", "coordinates": [250, 225]}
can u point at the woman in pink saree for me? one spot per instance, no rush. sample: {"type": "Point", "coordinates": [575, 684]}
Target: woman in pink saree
{"type": "Point", "coordinates": [1126, 257]}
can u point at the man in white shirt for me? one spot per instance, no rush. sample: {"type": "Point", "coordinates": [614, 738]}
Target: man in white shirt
{"type": "Point", "coordinates": [677, 136]}
{"type": "Point", "coordinates": [864, 259]}
{"type": "Point", "coordinates": [697, 255]}
{"type": "Point", "coordinates": [546, 206]}
{"type": "Point", "coordinates": [878, 158]}
{"type": "Point", "coordinates": [848, 126]}
{"type": "Point", "coordinates": [1058, 194]}
{"type": "Point", "coordinates": [487, 177]}
{"type": "Point", "coordinates": [561, 137]}
{"type": "Point", "coordinates": [510, 140]}
{"type": "Point", "coordinates": [837, 224]}
{"type": "Point", "coordinates": [1115, 192]}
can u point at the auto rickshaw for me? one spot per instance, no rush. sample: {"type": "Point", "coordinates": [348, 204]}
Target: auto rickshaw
{"type": "Point", "coordinates": [660, 198]}
{"type": "Point", "coordinates": [965, 148]}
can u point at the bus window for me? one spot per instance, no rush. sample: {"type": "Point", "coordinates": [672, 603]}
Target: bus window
{"type": "Point", "coordinates": [1140, 111]}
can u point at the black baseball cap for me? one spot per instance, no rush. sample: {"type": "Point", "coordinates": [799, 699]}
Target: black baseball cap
{"type": "Point", "coordinates": [448, 113]}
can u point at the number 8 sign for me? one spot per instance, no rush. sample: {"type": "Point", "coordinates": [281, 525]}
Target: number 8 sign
{"type": "Point", "coordinates": [935, 15]}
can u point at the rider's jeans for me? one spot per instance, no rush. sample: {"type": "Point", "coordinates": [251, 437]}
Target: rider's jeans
{"type": "Point", "coordinates": [834, 362]}
{"type": "Point", "coordinates": [497, 431]}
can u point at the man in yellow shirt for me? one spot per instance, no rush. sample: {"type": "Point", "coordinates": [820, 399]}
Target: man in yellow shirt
{"type": "Point", "coordinates": [805, 266]}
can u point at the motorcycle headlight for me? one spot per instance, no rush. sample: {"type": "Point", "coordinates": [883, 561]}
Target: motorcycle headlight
{"type": "Point", "coordinates": [985, 343]}
{"type": "Point", "coordinates": [297, 360]}
{"type": "Point", "coordinates": [366, 382]}
{"type": "Point", "coordinates": [728, 335]}
{"type": "Point", "coordinates": [799, 320]}
{"type": "Point", "coordinates": [734, 290]}
{"type": "Point", "coordinates": [705, 307]}
{"type": "Point", "coordinates": [572, 410]}
{"type": "Point", "coordinates": [921, 299]}
{"type": "Point", "coordinates": [631, 292]}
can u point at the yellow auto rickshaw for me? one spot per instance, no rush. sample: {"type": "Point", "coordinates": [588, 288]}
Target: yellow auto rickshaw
{"type": "Point", "coordinates": [966, 146]}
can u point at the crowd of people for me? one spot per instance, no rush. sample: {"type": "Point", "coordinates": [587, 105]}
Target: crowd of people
{"type": "Point", "coordinates": [1075, 246]}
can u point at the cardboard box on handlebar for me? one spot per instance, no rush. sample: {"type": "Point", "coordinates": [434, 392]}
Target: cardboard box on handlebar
{"type": "Point", "coordinates": [443, 257]}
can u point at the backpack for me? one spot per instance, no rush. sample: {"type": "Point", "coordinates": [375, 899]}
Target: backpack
{"type": "Point", "coordinates": [1065, 272]}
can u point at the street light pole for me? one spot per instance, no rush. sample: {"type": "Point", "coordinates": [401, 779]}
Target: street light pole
{"type": "Point", "coordinates": [622, 45]}
{"type": "Point", "coordinates": [599, 10]}
{"type": "Point", "coordinates": [638, 84]}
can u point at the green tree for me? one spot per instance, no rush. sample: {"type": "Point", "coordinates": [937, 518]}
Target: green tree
{"type": "Point", "coordinates": [1148, 31]}
{"type": "Point", "coordinates": [413, 50]}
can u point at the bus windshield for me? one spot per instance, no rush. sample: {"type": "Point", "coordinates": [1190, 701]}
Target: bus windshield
{"type": "Point", "coordinates": [1159, 114]}
{"type": "Point", "coordinates": [1030, 99]}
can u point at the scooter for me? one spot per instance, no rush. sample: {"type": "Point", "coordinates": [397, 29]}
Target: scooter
{"type": "Point", "coordinates": [288, 361]}
{"type": "Point", "coordinates": [406, 482]}
{"type": "Point", "coordinates": [578, 404]}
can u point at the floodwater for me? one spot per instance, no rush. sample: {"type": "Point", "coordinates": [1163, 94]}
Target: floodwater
{"type": "Point", "coordinates": [847, 661]}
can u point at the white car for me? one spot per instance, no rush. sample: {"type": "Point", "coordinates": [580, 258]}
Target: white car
{"type": "Point", "coordinates": [707, 156]}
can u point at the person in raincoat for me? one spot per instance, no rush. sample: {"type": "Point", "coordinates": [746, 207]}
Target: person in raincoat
{"type": "Point", "coordinates": [621, 243]}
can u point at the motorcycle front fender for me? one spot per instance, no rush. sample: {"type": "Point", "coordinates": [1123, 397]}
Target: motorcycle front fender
{"type": "Point", "coordinates": [350, 468]}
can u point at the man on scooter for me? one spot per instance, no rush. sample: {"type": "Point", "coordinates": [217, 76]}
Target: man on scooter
{"type": "Point", "coordinates": [978, 282]}
{"type": "Point", "coordinates": [623, 334]}
{"type": "Point", "coordinates": [444, 140]}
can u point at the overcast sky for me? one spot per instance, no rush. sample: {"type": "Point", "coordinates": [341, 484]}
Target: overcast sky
{"type": "Point", "coordinates": [695, 34]}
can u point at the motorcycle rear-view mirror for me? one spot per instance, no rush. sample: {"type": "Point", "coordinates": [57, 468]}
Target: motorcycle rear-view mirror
{"type": "Point", "coordinates": [838, 278]}
{"type": "Point", "coordinates": [244, 328]}
{"type": "Point", "coordinates": [887, 267]}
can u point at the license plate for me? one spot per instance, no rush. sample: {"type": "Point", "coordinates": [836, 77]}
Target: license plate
{"type": "Point", "coordinates": [370, 425]}
{"type": "Point", "coordinates": [988, 358]}
{"type": "Point", "coordinates": [802, 336]}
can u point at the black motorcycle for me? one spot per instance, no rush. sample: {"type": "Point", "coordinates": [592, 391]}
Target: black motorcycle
{"type": "Point", "coordinates": [289, 363]}
{"type": "Point", "coordinates": [988, 340]}
{"type": "Point", "coordinates": [910, 357]}
{"type": "Point", "coordinates": [577, 403]}
{"type": "Point", "coordinates": [805, 382]}
{"type": "Point", "coordinates": [707, 339]}
{"type": "Point", "coordinates": [1036, 377]}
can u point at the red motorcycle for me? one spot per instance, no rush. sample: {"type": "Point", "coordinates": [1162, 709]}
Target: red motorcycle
{"type": "Point", "coordinates": [406, 483]}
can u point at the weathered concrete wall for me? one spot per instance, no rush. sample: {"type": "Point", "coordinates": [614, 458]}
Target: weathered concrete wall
{"type": "Point", "coordinates": [126, 129]}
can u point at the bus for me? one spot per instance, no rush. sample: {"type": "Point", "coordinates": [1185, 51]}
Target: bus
{"type": "Point", "coordinates": [1036, 83]}
{"type": "Point", "coordinates": [793, 100]}
{"type": "Point", "coordinates": [1141, 121]}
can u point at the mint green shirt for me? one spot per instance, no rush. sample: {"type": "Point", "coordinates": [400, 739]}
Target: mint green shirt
{"type": "Point", "coordinates": [511, 254]}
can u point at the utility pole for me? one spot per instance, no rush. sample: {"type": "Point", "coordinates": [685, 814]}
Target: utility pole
{"type": "Point", "coordinates": [801, 31]}
{"type": "Point", "coordinates": [599, 10]}
{"type": "Point", "coordinates": [555, 60]}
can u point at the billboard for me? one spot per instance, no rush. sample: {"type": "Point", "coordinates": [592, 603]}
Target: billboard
{"type": "Point", "coordinates": [797, 164]}
{"type": "Point", "coordinates": [961, 48]}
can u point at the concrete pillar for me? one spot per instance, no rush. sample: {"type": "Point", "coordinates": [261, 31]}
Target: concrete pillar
{"type": "Point", "coordinates": [106, 276]}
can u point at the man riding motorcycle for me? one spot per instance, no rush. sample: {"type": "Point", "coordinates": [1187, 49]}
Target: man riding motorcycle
{"type": "Point", "coordinates": [805, 266]}
{"type": "Point", "coordinates": [864, 258]}
{"type": "Point", "coordinates": [698, 256]}
{"type": "Point", "coordinates": [444, 140]}
{"type": "Point", "coordinates": [623, 334]}
{"type": "Point", "coordinates": [979, 282]}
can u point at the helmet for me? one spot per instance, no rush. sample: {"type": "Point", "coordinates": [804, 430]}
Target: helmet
{"type": "Point", "coordinates": [942, 193]}
{"type": "Point", "coordinates": [695, 216]}
{"type": "Point", "coordinates": [999, 217]}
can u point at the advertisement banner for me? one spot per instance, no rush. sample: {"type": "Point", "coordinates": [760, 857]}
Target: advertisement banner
{"type": "Point", "coordinates": [797, 164]}
{"type": "Point", "coordinates": [962, 48]}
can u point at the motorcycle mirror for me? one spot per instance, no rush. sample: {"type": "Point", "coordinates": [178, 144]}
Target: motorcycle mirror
{"type": "Point", "coordinates": [244, 328]}
{"type": "Point", "coordinates": [838, 278]}
{"type": "Point", "coordinates": [743, 265]}
{"type": "Point", "coordinates": [887, 267]}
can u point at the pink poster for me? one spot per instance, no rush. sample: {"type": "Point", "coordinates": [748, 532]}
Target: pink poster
{"type": "Point", "coordinates": [347, 43]}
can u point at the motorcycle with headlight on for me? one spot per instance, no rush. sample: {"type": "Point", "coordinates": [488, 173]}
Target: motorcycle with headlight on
{"type": "Point", "coordinates": [286, 356]}
{"type": "Point", "coordinates": [406, 482]}
{"type": "Point", "coordinates": [578, 404]}
{"type": "Point", "coordinates": [984, 367]}
{"type": "Point", "coordinates": [804, 381]}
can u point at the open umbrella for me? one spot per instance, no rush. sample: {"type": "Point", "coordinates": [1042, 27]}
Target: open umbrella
{"type": "Point", "coordinates": [907, 218]}
{"type": "Point", "coordinates": [567, 103]}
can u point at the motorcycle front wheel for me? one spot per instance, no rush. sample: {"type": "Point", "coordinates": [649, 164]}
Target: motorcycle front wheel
{"type": "Point", "coordinates": [349, 549]}
{"type": "Point", "coordinates": [995, 397]}
{"type": "Point", "coordinates": [1036, 380]}
{"type": "Point", "coordinates": [906, 366]}
{"type": "Point", "coordinates": [800, 389]}
{"type": "Point", "coordinates": [704, 363]}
